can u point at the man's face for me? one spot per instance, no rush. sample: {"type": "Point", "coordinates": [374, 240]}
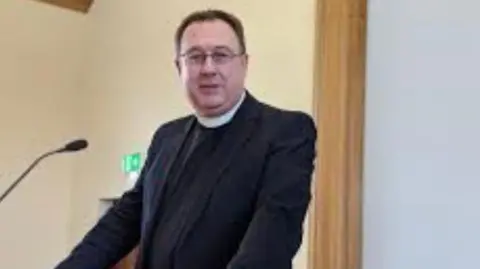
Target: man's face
{"type": "Point", "coordinates": [213, 83]}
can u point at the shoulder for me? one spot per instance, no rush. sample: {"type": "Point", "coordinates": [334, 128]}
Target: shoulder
{"type": "Point", "coordinates": [169, 128]}
{"type": "Point", "coordinates": [283, 122]}
{"type": "Point", "coordinates": [290, 134]}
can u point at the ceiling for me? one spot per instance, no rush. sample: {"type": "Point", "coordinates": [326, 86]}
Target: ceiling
{"type": "Point", "coordinates": [74, 5]}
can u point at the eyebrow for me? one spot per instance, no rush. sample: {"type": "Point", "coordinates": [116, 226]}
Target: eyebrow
{"type": "Point", "coordinates": [197, 48]}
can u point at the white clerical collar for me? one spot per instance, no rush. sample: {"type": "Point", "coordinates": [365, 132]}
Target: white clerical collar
{"type": "Point", "coordinates": [213, 122]}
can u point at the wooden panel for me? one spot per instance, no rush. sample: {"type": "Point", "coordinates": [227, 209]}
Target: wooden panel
{"type": "Point", "coordinates": [335, 223]}
{"type": "Point", "coordinates": [76, 5]}
{"type": "Point", "coordinates": [128, 262]}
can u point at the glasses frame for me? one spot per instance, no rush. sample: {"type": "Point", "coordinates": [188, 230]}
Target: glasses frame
{"type": "Point", "coordinates": [204, 55]}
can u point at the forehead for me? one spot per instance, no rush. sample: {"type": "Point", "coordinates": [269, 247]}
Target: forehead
{"type": "Point", "coordinates": [208, 35]}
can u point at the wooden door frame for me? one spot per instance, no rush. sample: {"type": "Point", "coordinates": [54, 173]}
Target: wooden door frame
{"type": "Point", "coordinates": [339, 82]}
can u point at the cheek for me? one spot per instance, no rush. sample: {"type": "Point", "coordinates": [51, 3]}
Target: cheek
{"type": "Point", "coordinates": [235, 77]}
{"type": "Point", "coordinates": [188, 78]}
{"type": "Point", "coordinates": [227, 75]}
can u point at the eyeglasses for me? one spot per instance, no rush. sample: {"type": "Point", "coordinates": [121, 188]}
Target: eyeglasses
{"type": "Point", "coordinates": [219, 57]}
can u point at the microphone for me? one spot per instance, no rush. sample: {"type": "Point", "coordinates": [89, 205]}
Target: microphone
{"type": "Point", "coordinates": [75, 145]}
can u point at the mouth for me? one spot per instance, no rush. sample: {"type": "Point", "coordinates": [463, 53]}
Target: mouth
{"type": "Point", "coordinates": [208, 87]}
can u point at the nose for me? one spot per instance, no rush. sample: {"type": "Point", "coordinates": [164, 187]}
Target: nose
{"type": "Point", "coordinates": [208, 66]}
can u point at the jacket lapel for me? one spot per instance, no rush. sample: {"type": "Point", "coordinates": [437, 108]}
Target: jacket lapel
{"type": "Point", "coordinates": [162, 170]}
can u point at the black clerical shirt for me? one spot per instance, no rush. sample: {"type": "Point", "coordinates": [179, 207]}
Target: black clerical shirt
{"type": "Point", "coordinates": [199, 145]}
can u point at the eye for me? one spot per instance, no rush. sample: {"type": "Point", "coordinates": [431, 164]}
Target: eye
{"type": "Point", "coordinates": [197, 57]}
{"type": "Point", "coordinates": [220, 56]}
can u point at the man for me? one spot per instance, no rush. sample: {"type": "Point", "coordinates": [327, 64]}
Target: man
{"type": "Point", "coordinates": [225, 188]}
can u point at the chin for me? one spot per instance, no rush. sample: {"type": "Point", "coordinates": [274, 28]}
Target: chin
{"type": "Point", "coordinates": [211, 109]}
{"type": "Point", "coordinates": [211, 101]}
{"type": "Point", "coordinates": [210, 105]}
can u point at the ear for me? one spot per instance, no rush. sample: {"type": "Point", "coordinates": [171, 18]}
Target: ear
{"type": "Point", "coordinates": [177, 65]}
{"type": "Point", "coordinates": [245, 60]}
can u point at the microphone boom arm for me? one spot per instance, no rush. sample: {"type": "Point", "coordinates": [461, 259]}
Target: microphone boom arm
{"type": "Point", "coordinates": [25, 173]}
{"type": "Point", "coordinates": [72, 146]}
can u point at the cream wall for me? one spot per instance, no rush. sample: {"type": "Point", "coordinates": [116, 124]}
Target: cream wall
{"type": "Point", "coordinates": [134, 87]}
{"type": "Point", "coordinates": [40, 52]}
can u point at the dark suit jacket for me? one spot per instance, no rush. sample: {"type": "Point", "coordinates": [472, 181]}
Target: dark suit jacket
{"type": "Point", "coordinates": [246, 207]}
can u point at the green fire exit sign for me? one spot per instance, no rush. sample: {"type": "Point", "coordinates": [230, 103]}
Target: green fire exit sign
{"type": "Point", "coordinates": [132, 162]}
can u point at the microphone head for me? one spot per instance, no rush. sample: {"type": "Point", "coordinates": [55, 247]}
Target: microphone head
{"type": "Point", "coordinates": [75, 145]}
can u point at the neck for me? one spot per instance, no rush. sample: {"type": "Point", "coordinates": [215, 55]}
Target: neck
{"type": "Point", "coordinates": [217, 121]}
